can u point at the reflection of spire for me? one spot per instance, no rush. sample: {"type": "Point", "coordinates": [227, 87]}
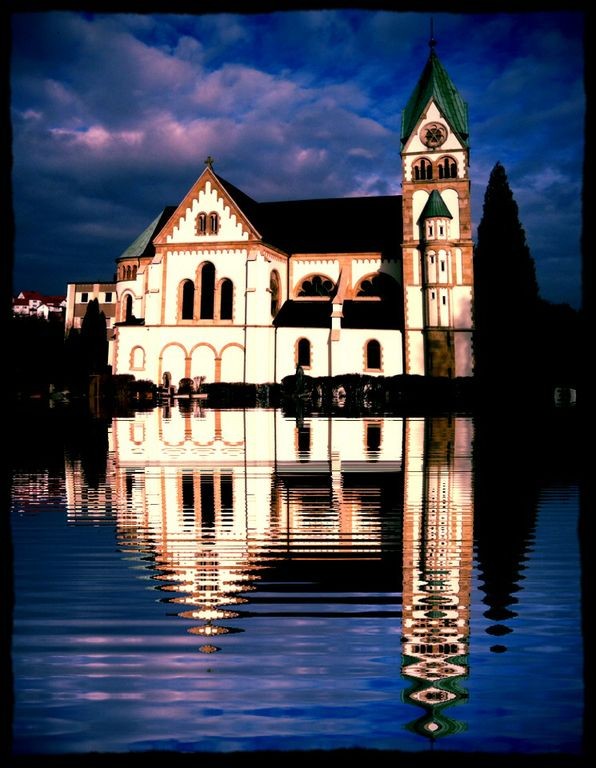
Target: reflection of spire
{"type": "Point", "coordinates": [437, 569]}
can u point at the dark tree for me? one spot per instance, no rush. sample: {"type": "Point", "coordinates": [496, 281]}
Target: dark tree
{"type": "Point", "coordinates": [93, 339]}
{"type": "Point", "coordinates": [506, 299]}
{"type": "Point", "coordinates": [37, 355]}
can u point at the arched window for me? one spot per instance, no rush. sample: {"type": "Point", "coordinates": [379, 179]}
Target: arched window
{"type": "Point", "coordinates": [379, 284]}
{"type": "Point", "coordinates": [317, 285]}
{"type": "Point", "coordinates": [373, 355]}
{"type": "Point", "coordinates": [137, 358]}
{"type": "Point", "coordinates": [128, 307]}
{"type": "Point", "coordinates": [134, 271]}
{"type": "Point", "coordinates": [201, 224]}
{"type": "Point", "coordinates": [274, 287]}
{"type": "Point", "coordinates": [226, 299]}
{"type": "Point", "coordinates": [447, 168]}
{"type": "Point", "coordinates": [423, 169]}
{"type": "Point", "coordinates": [128, 272]}
{"type": "Point", "coordinates": [188, 300]}
{"type": "Point", "coordinates": [304, 353]}
{"type": "Point", "coordinates": [213, 223]}
{"type": "Point", "coordinates": [207, 290]}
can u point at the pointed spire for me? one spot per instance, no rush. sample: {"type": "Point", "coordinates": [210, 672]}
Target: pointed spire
{"type": "Point", "coordinates": [434, 83]}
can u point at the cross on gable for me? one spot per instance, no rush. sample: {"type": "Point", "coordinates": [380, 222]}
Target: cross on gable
{"type": "Point", "coordinates": [209, 161]}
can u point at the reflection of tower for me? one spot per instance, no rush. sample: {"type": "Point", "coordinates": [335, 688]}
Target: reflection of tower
{"type": "Point", "coordinates": [438, 550]}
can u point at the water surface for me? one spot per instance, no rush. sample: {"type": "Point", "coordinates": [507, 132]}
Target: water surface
{"type": "Point", "coordinates": [200, 580]}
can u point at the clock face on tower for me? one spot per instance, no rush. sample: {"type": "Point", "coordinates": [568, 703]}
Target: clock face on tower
{"type": "Point", "coordinates": [433, 134]}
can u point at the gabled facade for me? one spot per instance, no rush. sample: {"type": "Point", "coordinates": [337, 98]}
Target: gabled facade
{"type": "Point", "coordinates": [232, 290]}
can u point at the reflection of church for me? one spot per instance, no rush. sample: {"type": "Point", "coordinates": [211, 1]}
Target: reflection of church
{"type": "Point", "coordinates": [217, 501]}
{"type": "Point", "coordinates": [233, 290]}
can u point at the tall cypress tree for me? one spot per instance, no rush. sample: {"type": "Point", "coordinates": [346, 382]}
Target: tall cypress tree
{"type": "Point", "coordinates": [506, 295]}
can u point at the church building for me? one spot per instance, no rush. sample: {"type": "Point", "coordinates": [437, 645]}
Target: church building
{"type": "Point", "coordinates": [234, 290]}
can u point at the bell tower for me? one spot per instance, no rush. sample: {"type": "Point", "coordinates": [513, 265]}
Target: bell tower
{"type": "Point", "coordinates": [437, 248]}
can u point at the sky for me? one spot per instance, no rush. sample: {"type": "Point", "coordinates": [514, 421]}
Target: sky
{"type": "Point", "coordinates": [113, 114]}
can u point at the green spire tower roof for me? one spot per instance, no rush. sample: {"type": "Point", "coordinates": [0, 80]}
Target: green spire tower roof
{"type": "Point", "coordinates": [435, 206]}
{"type": "Point", "coordinates": [436, 84]}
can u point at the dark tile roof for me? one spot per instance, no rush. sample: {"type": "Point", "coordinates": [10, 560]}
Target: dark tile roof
{"type": "Point", "coordinates": [304, 314]}
{"type": "Point", "coordinates": [373, 314]}
{"type": "Point", "coordinates": [326, 225]}
{"type": "Point", "coordinates": [356, 314]}
{"type": "Point", "coordinates": [342, 225]}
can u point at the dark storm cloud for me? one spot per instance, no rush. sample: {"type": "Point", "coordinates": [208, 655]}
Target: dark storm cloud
{"type": "Point", "coordinates": [113, 115]}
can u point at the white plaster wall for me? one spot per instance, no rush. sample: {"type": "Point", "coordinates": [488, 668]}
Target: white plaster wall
{"type": "Point", "coordinates": [363, 267]}
{"type": "Point", "coordinates": [431, 266]}
{"type": "Point", "coordinates": [260, 356]}
{"type": "Point", "coordinates": [183, 265]}
{"type": "Point", "coordinates": [458, 266]}
{"type": "Point", "coordinates": [461, 296]}
{"type": "Point", "coordinates": [153, 297]}
{"type": "Point", "coordinates": [463, 354]}
{"type": "Point", "coordinates": [153, 340]}
{"type": "Point", "coordinates": [232, 364]}
{"type": "Point", "coordinates": [208, 200]}
{"type": "Point", "coordinates": [415, 344]}
{"type": "Point", "coordinates": [444, 266]}
{"type": "Point", "coordinates": [415, 318]}
{"type": "Point", "coordinates": [302, 268]}
{"type": "Point", "coordinates": [451, 199]}
{"type": "Point", "coordinates": [203, 361]}
{"type": "Point", "coordinates": [444, 307]}
{"type": "Point", "coordinates": [71, 293]}
{"type": "Point", "coordinates": [258, 297]}
{"type": "Point", "coordinates": [287, 339]}
{"type": "Point", "coordinates": [419, 200]}
{"type": "Point", "coordinates": [452, 145]}
{"type": "Point", "coordinates": [433, 306]}
{"type": "Point", "coordinates": [416, 267]}
{"type": "Point", "coordinates": [349, 352]}
{"type": "Point", "coordinates": [173, 361]}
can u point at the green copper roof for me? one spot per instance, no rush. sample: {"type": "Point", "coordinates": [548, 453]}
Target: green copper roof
{"type": "Point", "coordinates": [139, 246]}
{"type": "Point", "coordinates": [436, 84]}
{"type": "Point", "coordinates": [435, 206]}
